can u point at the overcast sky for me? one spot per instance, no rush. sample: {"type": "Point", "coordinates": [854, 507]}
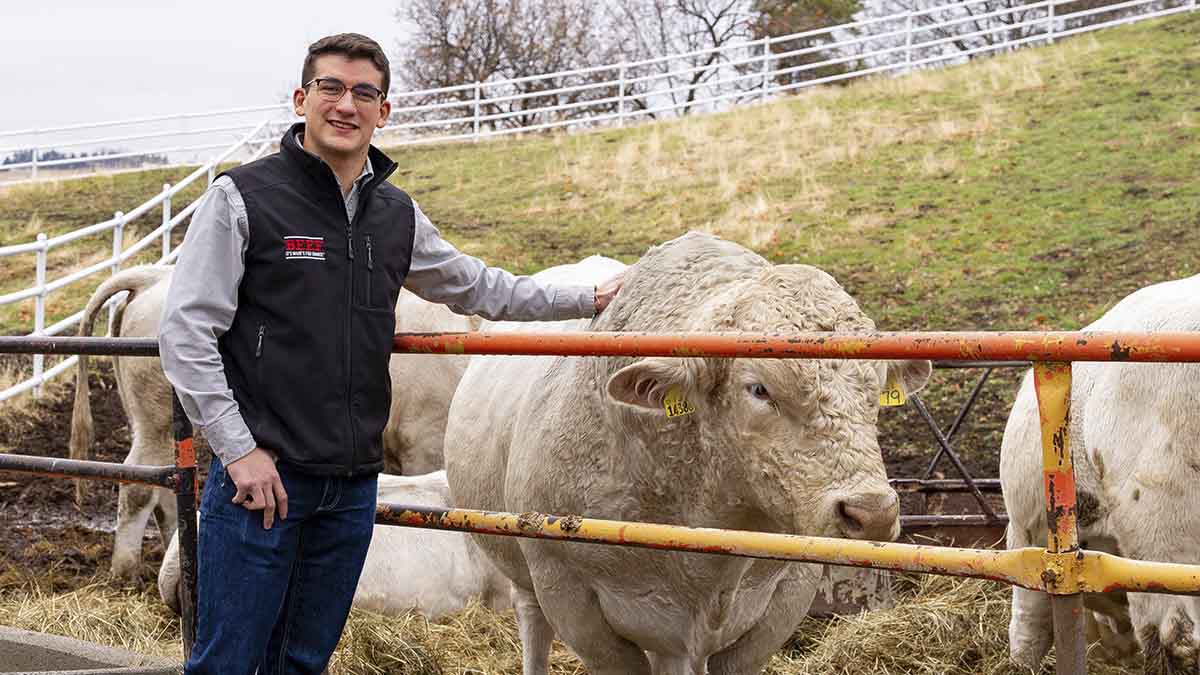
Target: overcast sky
{"type": "Point", "coordinates": [76, 61]}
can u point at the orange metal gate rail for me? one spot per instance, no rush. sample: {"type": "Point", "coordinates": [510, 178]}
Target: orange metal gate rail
{"type": "Point", "coordinates": [1062, 569]}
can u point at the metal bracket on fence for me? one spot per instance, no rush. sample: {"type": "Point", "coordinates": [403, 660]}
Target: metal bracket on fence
{"type": "Point", "coordinates": [945, 448]}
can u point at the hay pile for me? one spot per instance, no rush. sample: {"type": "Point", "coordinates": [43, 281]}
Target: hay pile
{"type": "Point", "coordinates": [940, 626]}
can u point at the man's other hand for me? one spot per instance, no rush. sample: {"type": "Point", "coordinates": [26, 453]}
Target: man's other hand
{"type": "Point", "coordinates": [258, 485]}
{"type": "Point", "coordinates": [608, 290]}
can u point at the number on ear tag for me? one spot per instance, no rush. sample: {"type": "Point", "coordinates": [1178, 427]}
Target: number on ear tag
{"type": "Point", "coordinates": [675, 404]}
{"type": "Point", "coordinates": [893, 392]}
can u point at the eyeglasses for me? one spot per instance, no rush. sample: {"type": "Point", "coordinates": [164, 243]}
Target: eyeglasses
{"type": "Point", "coordinates": [333, 89]}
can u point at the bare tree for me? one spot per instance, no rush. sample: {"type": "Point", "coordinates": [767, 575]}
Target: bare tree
{"type": "Point", "coordinates": [799, 57]}
{"type": "Point", "coordinates": [457, 42]}
{"type": "Point", "coordinates": [693, 29]}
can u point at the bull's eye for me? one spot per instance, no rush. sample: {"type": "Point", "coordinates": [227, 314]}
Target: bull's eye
{"type": "Point", "coordinates": [759, 392]}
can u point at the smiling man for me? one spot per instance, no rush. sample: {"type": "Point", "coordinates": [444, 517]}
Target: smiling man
{"type": "Point", "coordinates": [276, 334]}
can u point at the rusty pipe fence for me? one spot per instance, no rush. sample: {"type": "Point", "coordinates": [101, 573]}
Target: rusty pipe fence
{"type": "Point", "coordinates": [1062, 569]}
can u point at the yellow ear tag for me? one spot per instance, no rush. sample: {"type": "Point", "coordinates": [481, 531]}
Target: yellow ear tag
{"type": "Point", "coordinates": [674, 403]}
{"type": "Point", "coordinates": [893, 393]}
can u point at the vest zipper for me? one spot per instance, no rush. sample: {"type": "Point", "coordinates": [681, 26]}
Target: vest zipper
{"type": "Point", "coordinates": [258, 350]}
{"type": "Point", "coordinates": [262, 331]}
{"type": "Point", "coordinates": [370, 272]}
{"type": "Point", "coordinates": [349, 349]}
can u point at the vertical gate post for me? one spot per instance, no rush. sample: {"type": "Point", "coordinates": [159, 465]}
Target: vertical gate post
{"type": "Point", "coordinates": [1052, 381]}
{"type": "Point", "coordinates": [621, 97]}
{"type": "Point", "coordinates": [166, 220]}
{"type": "Point", "coordinates": [1050, 15]}
{"type": "Point", "coordinates": [185, 499]}
{"type": "Point", "coordinates": [766, 67]}
{"type": "Point", "coordinates": [908, 41]}
{"type": "Point", "coordinates": [475, 114]}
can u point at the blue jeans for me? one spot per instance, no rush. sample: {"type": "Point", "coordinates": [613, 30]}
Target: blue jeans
{"type": "Point", "coordinates": [275, 601]}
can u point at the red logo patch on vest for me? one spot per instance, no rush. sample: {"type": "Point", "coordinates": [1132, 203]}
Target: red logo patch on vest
{"type": "Point", "coordinates": [304, 248]}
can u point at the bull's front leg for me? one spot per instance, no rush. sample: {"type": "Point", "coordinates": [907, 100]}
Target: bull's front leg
{"type": "Point", "coordinates": [1031, 627]}
{"type": "Point", "coordinates": [574, 611]}
{"type": "Point", "coordinates": [750, 653]}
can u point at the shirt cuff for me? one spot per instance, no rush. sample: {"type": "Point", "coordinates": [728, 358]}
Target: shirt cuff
{"type": "Point", "coordinates": [574, 302]}
{"type": "Point", "coordinates": [230, 438]}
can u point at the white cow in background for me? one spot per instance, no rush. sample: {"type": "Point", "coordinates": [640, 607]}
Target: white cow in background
{"type": "Point", "coordinates": [771, 445]}
{"type": "Point", "coordinates": [1135, 442]}
{"type": "Point", "coordinates": [430, 571]}
{"type": "Point", "coordinates": [421, 389]}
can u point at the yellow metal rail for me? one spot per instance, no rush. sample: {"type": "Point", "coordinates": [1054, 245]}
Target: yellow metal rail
{"type": "Point", "coordinates": [1033, 568]}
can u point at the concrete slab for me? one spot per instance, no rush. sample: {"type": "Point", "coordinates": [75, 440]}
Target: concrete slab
{"type": "Point", "coordinates": [26, 653]}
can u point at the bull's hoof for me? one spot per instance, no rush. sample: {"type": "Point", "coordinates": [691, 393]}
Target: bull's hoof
{"type": "Point", "coordinates": [1028, 652]}
{"type": "Point", "coordinates": [126, 571]}
{"type": "Point", "coordinates": [1172, 651]}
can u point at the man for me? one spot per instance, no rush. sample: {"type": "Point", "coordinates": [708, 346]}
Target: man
{"type": "Point", "coordinates": [276, 335]}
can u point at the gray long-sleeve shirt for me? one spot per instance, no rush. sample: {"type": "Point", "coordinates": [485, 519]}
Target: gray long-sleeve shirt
{"type": "Point", "coordinates": [202, 301]}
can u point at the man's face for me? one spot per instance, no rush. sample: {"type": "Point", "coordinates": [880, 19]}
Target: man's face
{"type": "Point", "coordinates": [342, 127]}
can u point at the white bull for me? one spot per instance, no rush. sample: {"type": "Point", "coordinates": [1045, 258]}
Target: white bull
{"type": "Point", "coordinates": [435, 573]}
{"type": "Point", "coordinates": [760, 444]}
{"type": "Point", "coordinates": [421, 389]}
{"type": "Point", "coordinates": [1133, 433]}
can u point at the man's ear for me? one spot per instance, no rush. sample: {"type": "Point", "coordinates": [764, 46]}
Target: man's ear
{"type": "Point", "coordinates": [912, 375]}
{"type": "Point", "coordinates": [644, 384]}
{"type": "Point", "coordinates": [298, 101]}
{"type": "Point", "coordinates": [385, 113]}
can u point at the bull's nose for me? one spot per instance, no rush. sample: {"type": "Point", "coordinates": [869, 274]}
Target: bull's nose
{"type": "Point", "coordinates": [873, 516]}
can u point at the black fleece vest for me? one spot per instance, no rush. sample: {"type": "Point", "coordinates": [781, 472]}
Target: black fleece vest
{"type": "Point", "coordinates": [307, 354]}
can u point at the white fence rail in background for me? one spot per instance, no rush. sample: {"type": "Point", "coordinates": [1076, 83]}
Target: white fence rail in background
{"type": "Point", "coordinates": [614, 94]}
{"type": "Point", "coordinates": [255, 143]}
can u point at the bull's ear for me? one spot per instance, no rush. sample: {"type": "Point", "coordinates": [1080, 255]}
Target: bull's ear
{"type": "Point", "coordinates": [912, 375]}
{"type": "Point", "coordinates": [644, 384]}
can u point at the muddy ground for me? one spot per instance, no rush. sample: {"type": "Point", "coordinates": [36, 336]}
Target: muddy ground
{"type": "Point", "coordinates": [45, 535]}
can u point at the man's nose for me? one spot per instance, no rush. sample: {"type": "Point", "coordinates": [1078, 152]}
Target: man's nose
{"type": "Point", "coordinates": [345, 104]}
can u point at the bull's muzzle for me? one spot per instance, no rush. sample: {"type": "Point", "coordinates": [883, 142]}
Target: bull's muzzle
{"type": "Point", "coordinates": [870, 515]}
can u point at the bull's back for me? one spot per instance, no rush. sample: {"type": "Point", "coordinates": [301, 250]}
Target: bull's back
{"type": "Point", "coordinates": [1127, 418]}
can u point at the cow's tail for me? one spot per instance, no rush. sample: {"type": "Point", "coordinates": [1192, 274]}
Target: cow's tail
{"type": "Point", "coordinates": [133, 280]}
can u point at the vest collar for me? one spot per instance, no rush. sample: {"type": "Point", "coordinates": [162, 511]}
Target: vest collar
{"type": "Point", "coordinates": [315, 167]}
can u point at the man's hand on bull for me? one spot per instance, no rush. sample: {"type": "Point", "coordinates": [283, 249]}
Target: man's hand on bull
{"type": "Point", "coordinates": [258, 485]}
{"type": "Point", "coordinates": [608, 290]}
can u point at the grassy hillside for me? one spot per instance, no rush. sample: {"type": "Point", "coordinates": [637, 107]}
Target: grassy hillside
{"type": "Point", "coordinates": [1026, 191]}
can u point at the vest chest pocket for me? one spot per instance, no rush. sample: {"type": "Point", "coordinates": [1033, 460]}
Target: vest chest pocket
{"type": "Point", "coordinates": [376, 284]}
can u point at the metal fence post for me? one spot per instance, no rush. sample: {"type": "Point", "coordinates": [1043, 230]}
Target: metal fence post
{"type": "Point", "coordinates": [118, 245]}
{"type": "Point", "coordinates": [621, 96]}
{"type": "Point", "coordinates": [39, 311]}
{"type": "Point", "coordinates": [118, 241]}
{"type": "Point", "coordinates": [475, 115]}
{"type": "Point", "coordinates": [1052, 382]}
{"type": "Point", "coordinates": [33, 157]}
{"type": "Point", "coordinates": [166, 220]}
{"type": "Point", "coordinates": [1050, 15]}
{"type": "Point", "coordinates": [766, 67]}
{"type": "Point", "coordinates": [908, 40]}
{"type": "Point", "coordinates": [185, 501]}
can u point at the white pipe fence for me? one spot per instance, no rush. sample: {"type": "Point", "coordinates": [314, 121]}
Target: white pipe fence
{"type": "Point", "coordinates": [42, 288]}
{"type": "Point", "coordinates": [574, 99]}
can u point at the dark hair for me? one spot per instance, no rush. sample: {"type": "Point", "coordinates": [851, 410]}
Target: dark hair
{"type": "Point", "coordinates": [352, 46]}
